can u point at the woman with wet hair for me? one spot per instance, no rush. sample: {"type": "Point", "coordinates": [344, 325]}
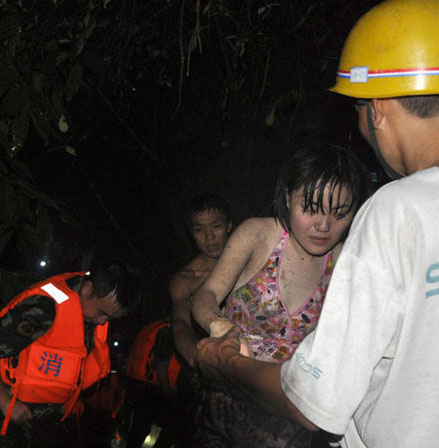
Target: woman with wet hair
{"type": "Point", "coordinates": [274, 274]}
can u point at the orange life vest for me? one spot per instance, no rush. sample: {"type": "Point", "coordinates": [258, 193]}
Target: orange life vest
{"type": "Point", "coordinates": [140, 358]}
{"type": "Point", "coordinates": [56, 367]}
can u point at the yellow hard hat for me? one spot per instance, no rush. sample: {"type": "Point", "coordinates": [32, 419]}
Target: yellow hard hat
{"type": "Point", "coordinates": [393, 50]}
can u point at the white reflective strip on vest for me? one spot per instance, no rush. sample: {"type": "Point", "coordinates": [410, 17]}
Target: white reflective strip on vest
{"type": "Point", "coordinates": [54, 292]}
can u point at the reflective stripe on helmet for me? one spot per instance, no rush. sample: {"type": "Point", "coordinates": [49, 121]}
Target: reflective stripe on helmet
{"type": "Point", "coordinates": [355, 73]}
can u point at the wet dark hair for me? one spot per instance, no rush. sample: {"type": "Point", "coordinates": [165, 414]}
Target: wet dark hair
{"type": "Point", "coordinates": [314, 168]}
{"type": "Point", "coordinates": [202, 202]}
{"type": "Point", "coordinates": [422, 106]}
{"type": "Point", "coordinates": [108, 276]}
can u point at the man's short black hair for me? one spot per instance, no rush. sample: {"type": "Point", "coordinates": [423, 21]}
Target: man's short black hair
{"type": "Point", "coordinates": [422, 106]}
{"type": "Point", "coordinates": [202, 202]}
{"type": "Point", "coordinates": [314, 168]}
{"type": "Point", "coordinates": [108, 276]}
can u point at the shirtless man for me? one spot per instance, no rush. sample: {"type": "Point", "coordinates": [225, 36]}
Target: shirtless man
{"type": "Point", "coordinates": [209, 222]}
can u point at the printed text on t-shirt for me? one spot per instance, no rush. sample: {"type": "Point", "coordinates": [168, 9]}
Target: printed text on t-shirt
{"type": "Point", "coordinates": [306, 367]}
{"type": "Point", "coordinates": [433, 277]}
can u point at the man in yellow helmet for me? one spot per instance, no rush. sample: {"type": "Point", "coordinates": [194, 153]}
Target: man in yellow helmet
{"type": "Point", "coordinates": [369, 372]}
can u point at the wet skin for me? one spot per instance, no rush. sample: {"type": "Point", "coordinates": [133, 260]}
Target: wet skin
{"type": "Point", "coordinates": [210, 230]}
{"type": "Point", "coordinates": [315, 232]}
{"type": "Point", "coordinates": [98, 310]}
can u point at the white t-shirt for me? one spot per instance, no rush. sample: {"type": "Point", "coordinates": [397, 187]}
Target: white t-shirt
{"type": "Point", "coordinates": [370, 370]}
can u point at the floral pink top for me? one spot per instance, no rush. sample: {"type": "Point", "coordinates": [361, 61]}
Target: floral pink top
{"type": "Point", "coordinates": [259, 310]}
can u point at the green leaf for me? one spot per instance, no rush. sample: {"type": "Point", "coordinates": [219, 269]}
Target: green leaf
{"type": "Point", "coordinates": [74, 81]}
{"type": "Point", "coordinates": [63, 126]}
{"type": "Point", "coordinates": [270, 119]}
{"type": "Point", "coordinates": [86, 20]}
{"type": "Point", "coordinates": [62, 56]}
{"type": "Point", "coordinates": [71, 151]}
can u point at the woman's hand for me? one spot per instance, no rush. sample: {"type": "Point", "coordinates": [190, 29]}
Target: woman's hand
{"type": "Point", "coordinates": [245, 350]}
{"type": "Point", "coordinates": [219, 328]}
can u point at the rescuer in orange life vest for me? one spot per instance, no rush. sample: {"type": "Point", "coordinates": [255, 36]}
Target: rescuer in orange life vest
{"type": "Point", "coordinates": [141, 365]}
{"type": "Point", "coordinates": [153, 372]}
{"type": "Point", "coordinates": [54, 345]}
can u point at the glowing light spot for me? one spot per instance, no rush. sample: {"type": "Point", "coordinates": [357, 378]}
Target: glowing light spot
{"type": "Point", "coordinates": [152, 437]}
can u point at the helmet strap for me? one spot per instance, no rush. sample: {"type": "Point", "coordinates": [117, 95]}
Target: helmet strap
{"type": "Point", "coordinates": [376, 148]}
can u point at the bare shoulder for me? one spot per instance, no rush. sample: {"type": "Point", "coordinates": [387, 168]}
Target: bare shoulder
{"type": "Point", "coordinates": [256, 223]}
{"type": "Point", "coordinates": [248, 249]}
{"type": "Point", "coordinates": [189, 278]}
{"type": "Point", "coordinates": [250, 241]}
{"type": "Point", "coordinates": [256, 228]}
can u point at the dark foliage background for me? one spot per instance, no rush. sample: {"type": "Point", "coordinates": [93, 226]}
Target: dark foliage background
{"type": "Point", "coordinates": [113, 113]}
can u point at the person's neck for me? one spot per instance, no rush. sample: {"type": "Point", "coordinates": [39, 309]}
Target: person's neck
{"type": "Point", "coordinates": [300, 254]}
{"type": "Point", "coordinates": [420, 145]}
{"type": "Point", "coordinates": [208, 262]}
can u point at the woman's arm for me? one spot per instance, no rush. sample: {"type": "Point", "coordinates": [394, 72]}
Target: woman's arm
{"type": "Point", "coordinates": [223, 278]}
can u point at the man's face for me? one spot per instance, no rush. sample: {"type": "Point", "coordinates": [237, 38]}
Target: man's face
{"type": "Point", "coordinates": [210, 230]}
{"type": "Point", "coordinates": [98, 310]}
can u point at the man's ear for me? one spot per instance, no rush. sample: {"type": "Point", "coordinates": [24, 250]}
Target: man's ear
{"type": "Point", "coordinates": [378, 111]}
{"type": "Point", "coordinates": [229, 226]}
{"type": "Point", "coordinates": [87, 288]}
